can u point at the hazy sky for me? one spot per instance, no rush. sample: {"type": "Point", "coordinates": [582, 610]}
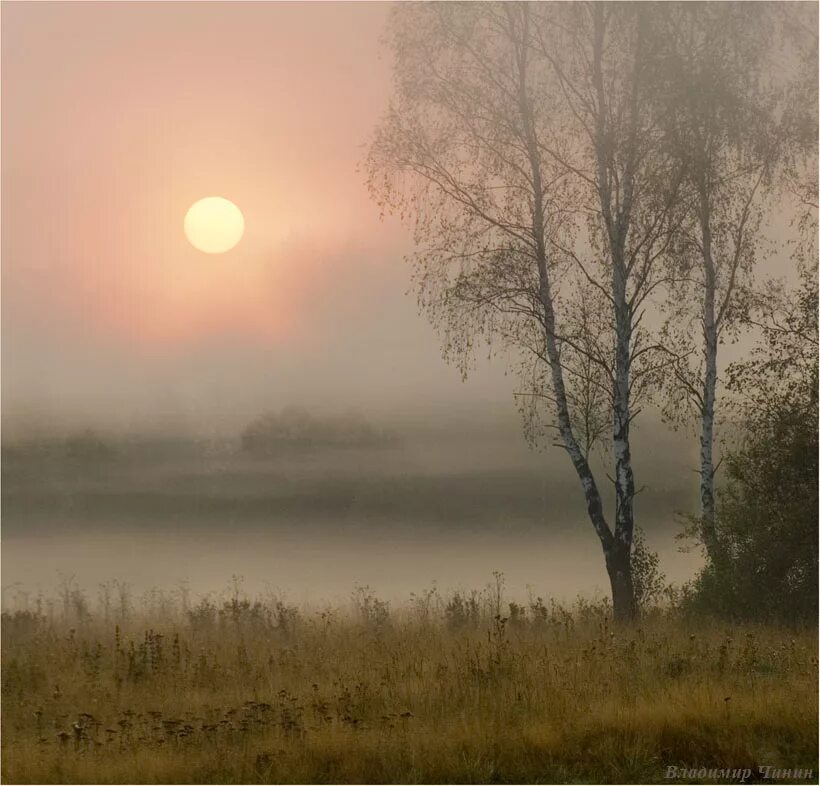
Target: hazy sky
{"type": "Point", "coordinates": [116, 118]}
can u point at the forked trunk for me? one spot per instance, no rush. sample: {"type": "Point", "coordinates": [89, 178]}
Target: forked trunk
{"type": "Point", "coordinates": [616, 547]}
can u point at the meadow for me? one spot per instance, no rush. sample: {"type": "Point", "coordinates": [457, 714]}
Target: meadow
{"type": "Point", "coordinates": [464, 687]}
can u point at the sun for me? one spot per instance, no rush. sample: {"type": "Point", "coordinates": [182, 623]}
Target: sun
{"type": "Point", "coordinates": [214, 225]}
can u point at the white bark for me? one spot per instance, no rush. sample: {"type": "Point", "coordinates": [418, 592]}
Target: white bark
{"type": "Point", "coordinates": [576, 454]}
{"type": "Point", "coordinates": [710, 336]}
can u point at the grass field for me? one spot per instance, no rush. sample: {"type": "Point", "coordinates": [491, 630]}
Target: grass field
{"type": "Point", "coordinates": [465, 688]}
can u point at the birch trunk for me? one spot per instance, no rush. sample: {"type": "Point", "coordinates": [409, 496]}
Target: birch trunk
{"type": "Point", "coordinates": [592, 496]}
{"type": "Point", "coordinates": [619, 568]}
{"type": "Point", "coordinates": [616, 214]}
{"type": "Point", "coordinates": [623, 595]}
{"type": "Point", "coordinates": [710, 334]}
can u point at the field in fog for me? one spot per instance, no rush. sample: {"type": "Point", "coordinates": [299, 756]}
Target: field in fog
{"type": "Point", "coordinates": [350, 646]}
{"type": "Point", "coordinates": [444, 689]}
{"type": "Point", "coordinates": [438, 508]}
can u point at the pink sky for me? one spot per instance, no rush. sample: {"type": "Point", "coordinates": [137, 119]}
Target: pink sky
{"type": "Point", "coordinates": [116, 118]}
{"type": "Point", "coordinates": [119, 116]}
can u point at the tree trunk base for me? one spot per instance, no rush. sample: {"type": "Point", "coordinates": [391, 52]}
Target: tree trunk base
{"type": "Point", "coordinates": [619, 567]}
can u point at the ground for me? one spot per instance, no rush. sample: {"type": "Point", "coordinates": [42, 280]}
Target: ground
{"type": "Point", "coordinates": [457, 689]}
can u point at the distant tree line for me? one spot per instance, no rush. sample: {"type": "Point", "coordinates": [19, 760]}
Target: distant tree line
{"type": "Point", "coordinates": [295, 428]}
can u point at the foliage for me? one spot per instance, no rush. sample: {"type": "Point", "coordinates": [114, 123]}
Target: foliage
{"type": "Point", "coordinates": [370, 608]}
{"type": "Point", "coordinates": [721, 122]}
{"type": "Point", "coordinates": [462, 610]}
{"type": "Point", "coordinates": [87, 447]}
{"type": "Point", "coordinates": [768, 512]}
{"type": "Point", "coordinates": [567, 168]}
{"type": "Point", "coordinates": [295, 428]}
{"type": "Point", "coordinates": [648, 580]}
{"type": "Point", "coordinates": [524, 145]}
{"type": "Point", "coordinates": [767, 524]}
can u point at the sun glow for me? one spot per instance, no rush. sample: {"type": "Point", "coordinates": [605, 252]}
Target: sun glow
{"type": "Point", "coordinates": [214, 225]}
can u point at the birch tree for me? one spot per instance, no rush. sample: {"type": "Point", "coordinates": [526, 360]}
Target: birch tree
{"type": "Point", "coordinates": [728, 127]}
{"type": "Point", "coordinates": [522, 144]}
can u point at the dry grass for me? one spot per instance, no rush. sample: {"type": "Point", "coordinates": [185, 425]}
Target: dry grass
{"type": "Point", "coordinates": [443, 690]}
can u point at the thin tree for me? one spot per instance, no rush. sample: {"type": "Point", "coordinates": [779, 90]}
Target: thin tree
{"type": "Point", "coordinates": [726, 126]}
{"type": "Point", "coordinates": [522, 145]}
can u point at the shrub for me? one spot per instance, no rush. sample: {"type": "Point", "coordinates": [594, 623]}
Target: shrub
{"type": "Point", "coordinates": [767, 525]}
{"type": "Point", "coordinates": [296, 429]}
{"type": "Point", "coordinates": [87, 447]}
{"type": "Point", "coordinates": [462, 610]}
{"type": "Point", "coordinates": [768, 505]}
{"type": "Point", "coordinates": [647, 579]}
{"type": "Point", "coordinates": [372, 611]}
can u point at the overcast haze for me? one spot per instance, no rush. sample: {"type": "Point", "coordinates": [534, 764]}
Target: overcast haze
{"type": "Point", "coordinates": [117, 117]}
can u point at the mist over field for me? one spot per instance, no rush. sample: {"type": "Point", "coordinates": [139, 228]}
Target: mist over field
{"type": "Point", "coordinates": [112, 321]}
{"type": "Point", "coordinates": [449, 501]}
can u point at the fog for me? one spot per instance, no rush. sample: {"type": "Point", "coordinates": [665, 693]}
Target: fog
{"type": "Point", "coordinates": [444, 506]}
{"type": "Point", "coordinates": [111, 130]}
{"type": "Point", "coordinates": [111, 321]}
{"type": "Point", "coordinates": [324, 567]}
{"type": "Point", "coordinates": [108, 313]}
